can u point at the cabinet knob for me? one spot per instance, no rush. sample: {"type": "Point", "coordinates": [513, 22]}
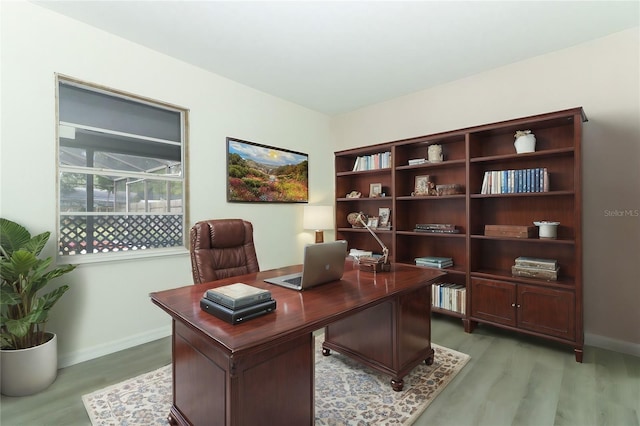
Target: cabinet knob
{"type": "Point", "coordinates": [513, 305]}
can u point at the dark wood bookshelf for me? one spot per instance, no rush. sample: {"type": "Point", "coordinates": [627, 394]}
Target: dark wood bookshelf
{"type": "Point", "coordinates": [551, 309]}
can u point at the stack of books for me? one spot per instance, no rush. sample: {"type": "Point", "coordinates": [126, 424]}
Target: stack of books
{"type": "Point", "coordinates": [449, 296]}
{"type": "Point", "coordinates": [434, 261]}
{"type": "Point", "coordinates": [442, 228]}
{"type": "Point", "coordinates": [515, 181]}
{"type": "Point", "coordinates": [239, 302]}
{"type": "Point", "coordinates": [372, 162]}
{"type": "Point", "coordinates": [415, 161]}
{"type": "Point", "coordinates": [531, 267]}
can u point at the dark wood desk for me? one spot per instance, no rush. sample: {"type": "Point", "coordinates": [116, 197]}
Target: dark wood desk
{"type": "Point", "coordinates": [262, 372]}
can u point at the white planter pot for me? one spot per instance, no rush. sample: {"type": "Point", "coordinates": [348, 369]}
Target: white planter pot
{"type": "Point", "coordinates": [28, 371]}
{"type": "Point", "coordinates": [526, 143]}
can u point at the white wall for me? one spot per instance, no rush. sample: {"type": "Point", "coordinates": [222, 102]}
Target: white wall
{"type": "Point", "coordinates": [603, 77]}
{"type": "Point", "coordinates": [108, 306]}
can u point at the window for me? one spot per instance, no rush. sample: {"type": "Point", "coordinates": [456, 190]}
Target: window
{"type": "Point", "coordinates": [121, 180]}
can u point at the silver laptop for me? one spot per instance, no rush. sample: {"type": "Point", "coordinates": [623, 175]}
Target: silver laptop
{"type": "Point", "coordinates": [323, 262]}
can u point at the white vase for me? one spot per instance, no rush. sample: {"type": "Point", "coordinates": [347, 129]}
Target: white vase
{"type": "Point", "coordinates": [525, 143]}
{"type": "Point", "coordinates": [547, 229]}
{"type": "Point", "coordinates": [28, 371]}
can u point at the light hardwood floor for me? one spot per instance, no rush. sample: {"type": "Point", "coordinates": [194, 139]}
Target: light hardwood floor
{"type": "Point", "coordinates": [510, 380]}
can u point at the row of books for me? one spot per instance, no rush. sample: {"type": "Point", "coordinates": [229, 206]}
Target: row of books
{"type": "Point", "coordinates": [531, 267]}
{"type": "Point", "coordinates": [381, 160]}
{"type": "Point", "coordinates": [236, 303]}
{"type": "Point", "coordinates": [515, 181]}
{"type": "Point", "coordinates": [442, 228]}
{"type": "Point", "coordinates": [449, 296]}
{"type": "Point", "coordinates": [434, 261]}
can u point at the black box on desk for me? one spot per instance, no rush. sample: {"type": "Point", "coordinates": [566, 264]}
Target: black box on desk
{"type": "Point", "coordinates": [235, 316]}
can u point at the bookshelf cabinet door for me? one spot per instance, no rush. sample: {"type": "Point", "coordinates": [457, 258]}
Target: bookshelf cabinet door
{"type": "Point", "coordinates": [493, 301]}
{"type": "Point", "coordinates": [548, 311]}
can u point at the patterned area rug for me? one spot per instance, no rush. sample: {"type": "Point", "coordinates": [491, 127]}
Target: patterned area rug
{"type": "Point", "coordinates": [347, 393]}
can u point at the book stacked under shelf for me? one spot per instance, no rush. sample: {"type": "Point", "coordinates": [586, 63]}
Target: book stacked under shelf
{"type": "Point", "coordinates": [531, 267]}
{"type": "Point", "coordinates": [239, 302]}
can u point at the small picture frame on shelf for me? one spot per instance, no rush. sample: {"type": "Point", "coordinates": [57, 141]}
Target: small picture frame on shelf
{"type": "Point", "coordinates": [375, 190]}
{"type": "Point", "coordinates": [421, 185]}
{"type": "Point", "coordinates": [384, 213]}
{"type": "Point", "coordinates": [372, 222]}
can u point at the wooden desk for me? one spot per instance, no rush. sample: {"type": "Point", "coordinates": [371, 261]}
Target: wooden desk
{"type": "Point", "coordinates": [262, 372]}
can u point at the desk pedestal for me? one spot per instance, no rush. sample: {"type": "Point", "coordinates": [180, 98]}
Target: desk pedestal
{"type": "Point", "coordinates": [272, 386]}
{"type": "Point", "coordinates": [391, 337]}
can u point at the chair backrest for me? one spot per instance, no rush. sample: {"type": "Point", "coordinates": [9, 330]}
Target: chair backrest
{"type": "Point", "coordinates": [222, 248]}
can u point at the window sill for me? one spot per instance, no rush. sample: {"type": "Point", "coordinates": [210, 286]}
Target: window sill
{"type": "Point", "coordinates": [122, 256]}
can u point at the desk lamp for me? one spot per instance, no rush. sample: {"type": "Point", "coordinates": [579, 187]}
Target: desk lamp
{"type": "Point", "coordinates": [372, 264]}
{"type": "Point", "coordinates": [318, 218]}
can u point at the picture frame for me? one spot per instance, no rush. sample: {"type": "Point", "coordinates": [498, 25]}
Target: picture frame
{"type": "Point", "coordinates": [421, 185]}
{"type": "Point", "coordinates": [375, 189]}
{"type": "Point", "coordinates": [258, 173]}
{"type": "Point", "coordinates": [384, 214]}
{"type": "Point", "coordinates": [372, 222]}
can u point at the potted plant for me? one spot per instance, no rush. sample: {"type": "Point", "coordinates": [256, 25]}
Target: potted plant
{"type": "Point", "coordinates": [29, 358]}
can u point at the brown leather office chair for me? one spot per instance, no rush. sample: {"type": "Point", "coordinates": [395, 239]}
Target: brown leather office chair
{"type": "Point", "coordinates": [222, 248]}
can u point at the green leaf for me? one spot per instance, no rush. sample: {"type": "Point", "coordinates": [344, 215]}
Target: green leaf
{"type": "Point", "coordinates": [12, 236]}
{"type": "Point", "coordinates": [9, 297]}
{"type": "Point", "coordinates": [37, 243]}
{"type": "Point", "coordinates": [18, 327]}
{"type": "Point", "coordinates": [49, 299]}
{"type": "Point", "coordinates": [21, 262]}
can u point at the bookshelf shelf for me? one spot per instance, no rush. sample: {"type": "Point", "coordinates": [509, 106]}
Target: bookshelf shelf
{"type": "Point", "coordinates": [482, 264]}
{"type": "Point", "coordinates": [383, 171]}
{"type": "Point", "coordinates": [524, 194]}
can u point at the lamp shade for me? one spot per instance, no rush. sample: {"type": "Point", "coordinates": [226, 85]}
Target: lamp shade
{"type": "Point", "coordinates": [318, 217]}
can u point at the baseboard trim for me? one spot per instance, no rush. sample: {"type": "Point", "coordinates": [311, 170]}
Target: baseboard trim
{"type": "Point", "coordinates": [66, 360]}
{"type": "Point", "coordinates": [612, 344]}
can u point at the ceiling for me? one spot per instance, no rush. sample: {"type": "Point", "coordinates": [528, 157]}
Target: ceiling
{"type": "Point", "coordinates": [338, 56]}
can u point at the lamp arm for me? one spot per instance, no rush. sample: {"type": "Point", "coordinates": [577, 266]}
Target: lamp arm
{"type": "Point", "coordinates": [385, 250]}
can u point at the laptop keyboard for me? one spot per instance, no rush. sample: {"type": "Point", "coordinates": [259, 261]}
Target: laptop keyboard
{"type": "Point", "coordinates": [295, 281]}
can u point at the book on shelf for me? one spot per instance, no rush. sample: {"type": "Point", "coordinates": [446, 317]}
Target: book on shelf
{"type": "Point", "coordinates": [545, 274]}
{"type": "Point", "coordinates": [415, 161]}
{"type": "Point", "coordinates": [357, 253]}
{"type": "Point", "coordinates": [445, 228]}
{"type": "Point", "coordinates": [434, 261]}
{"type": "Point", "coordinates": [435, 225]}
{"type": "Point", "coordinates": [535, 262]}
{"type": "Point", "coordinates": [515, 181]}
{"type": "Point", "coordinates": [235, 316]}
{"type": "Point", "coordinates": [380, 160]}
{"type": "Point", "coordinates": [438, 231]}
{"type": "Point", "coordinates": [435, 265]}
{"type": "Point", "coordinates": [237, 295]}
{"type": "Point", "coordinates": [449, 296]}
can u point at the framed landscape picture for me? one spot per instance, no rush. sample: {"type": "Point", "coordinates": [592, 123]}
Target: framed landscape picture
{"type": "Point", "coordinates": [261, 173]}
